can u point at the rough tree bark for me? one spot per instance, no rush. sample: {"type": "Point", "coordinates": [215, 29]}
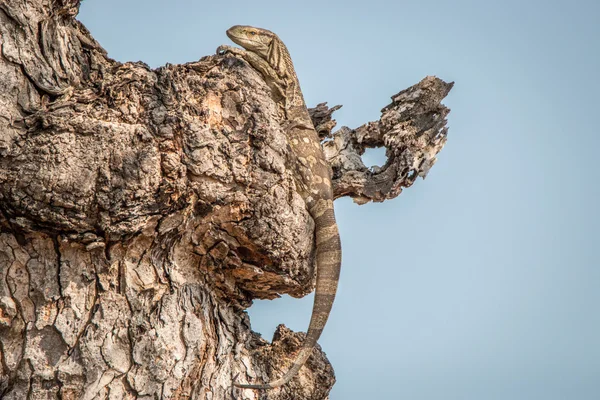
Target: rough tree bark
{"type": "Point", "coordinates": [142, 210]}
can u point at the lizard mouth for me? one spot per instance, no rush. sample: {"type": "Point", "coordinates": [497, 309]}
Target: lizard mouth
{"type": "Point", "coordinates": [231, 32]}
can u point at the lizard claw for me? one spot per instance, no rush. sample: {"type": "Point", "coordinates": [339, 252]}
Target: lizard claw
{"type": "Point", "coordinates": [234, 380]}
{"type": "Point", "coordinates": [222, 49]}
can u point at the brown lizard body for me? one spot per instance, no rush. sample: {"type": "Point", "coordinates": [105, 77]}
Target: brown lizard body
{"type": "Point", "coordinates": [267, 53]}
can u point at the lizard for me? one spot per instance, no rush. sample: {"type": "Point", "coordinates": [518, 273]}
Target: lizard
{"type": "Point", "coordinates": [264, 51]}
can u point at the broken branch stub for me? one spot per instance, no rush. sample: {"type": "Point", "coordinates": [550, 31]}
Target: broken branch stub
{"type": "Point", "coordinates": [412, 129]}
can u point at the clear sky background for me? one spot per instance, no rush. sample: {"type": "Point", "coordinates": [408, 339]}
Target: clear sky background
{"type": "Point", "coordinates": [482, 281]}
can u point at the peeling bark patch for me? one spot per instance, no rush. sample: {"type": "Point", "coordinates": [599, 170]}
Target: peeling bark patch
{"type": "Point", "coordinates": [52, 344]}
{"type": "Point", "coordinates": [8, 311]}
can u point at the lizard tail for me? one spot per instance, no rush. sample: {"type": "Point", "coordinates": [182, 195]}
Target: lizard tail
{"type": "Point", "coordinates": [329, 261]}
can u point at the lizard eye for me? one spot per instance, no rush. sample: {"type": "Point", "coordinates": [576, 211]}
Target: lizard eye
{"type": "Point", "coordinates": [252, 33]}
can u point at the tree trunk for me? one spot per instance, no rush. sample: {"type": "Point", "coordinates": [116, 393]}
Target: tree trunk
{"type": "Point", "coordinates": [141, 211]}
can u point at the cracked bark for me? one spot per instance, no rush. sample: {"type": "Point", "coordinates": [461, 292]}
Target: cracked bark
{"type": "Point", "coordinates": [141, 211]}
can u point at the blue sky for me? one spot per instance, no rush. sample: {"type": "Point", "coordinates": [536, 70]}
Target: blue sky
{"type": "Point", "coordinates": [482, 281]}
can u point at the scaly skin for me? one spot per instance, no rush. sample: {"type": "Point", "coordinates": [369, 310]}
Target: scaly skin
{"type": "Point", "coordinates": [267, 54]}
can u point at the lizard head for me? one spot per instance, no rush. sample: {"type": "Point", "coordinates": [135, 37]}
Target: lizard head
{"type": "Point", "coordinates": [251, 38]}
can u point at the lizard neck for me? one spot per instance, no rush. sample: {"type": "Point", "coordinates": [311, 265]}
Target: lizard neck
{"type": "Point", "coordinates": [294, 102]}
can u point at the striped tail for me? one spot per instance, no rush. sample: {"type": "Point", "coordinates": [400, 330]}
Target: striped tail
{"type": "Point", "coordinates": [329, 261]}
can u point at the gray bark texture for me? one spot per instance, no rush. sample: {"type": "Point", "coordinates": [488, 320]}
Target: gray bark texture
{"type": "Point", "coordinates": [142, 210]}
